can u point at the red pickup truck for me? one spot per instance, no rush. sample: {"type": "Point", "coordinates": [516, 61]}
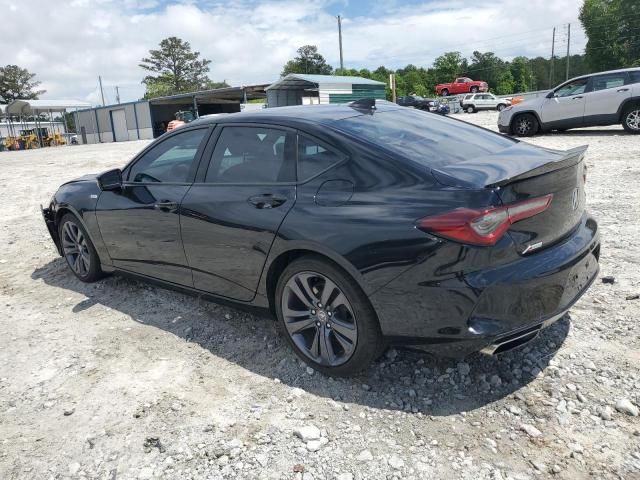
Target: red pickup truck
{"type": "Point", "coordinates": [461, 85]}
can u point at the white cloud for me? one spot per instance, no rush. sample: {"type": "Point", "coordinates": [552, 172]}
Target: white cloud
{"type": "Point", "coordinates": [248, 42]}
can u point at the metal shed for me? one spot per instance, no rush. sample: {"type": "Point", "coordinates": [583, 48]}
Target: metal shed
{"type": "Point", "coordinates": [303, 89]}
{"type": "Point", "coordinates": [147, 119]}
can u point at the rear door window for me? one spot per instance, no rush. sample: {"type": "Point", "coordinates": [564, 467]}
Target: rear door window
{"type": "Point", "coordinates": [252, 155]}
{"type": "Point", "coordinates": [612, 80]}
{"type": "Point", "coordinates": [634, 77]}
{"type": "Point", "coordinates": [425, 138]}
{"type": "Point", "coordinates": [314, 158]}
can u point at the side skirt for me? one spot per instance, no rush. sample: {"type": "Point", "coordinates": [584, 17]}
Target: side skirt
{"type": "Point", "coordinates": [258, 306]}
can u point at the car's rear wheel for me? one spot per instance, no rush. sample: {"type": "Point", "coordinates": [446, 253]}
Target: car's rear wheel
{"type": "Point", "coordinates": [631, 119]}
{"type": "Point", "coordinates": [444, 92]}
{"type": "Point", "coordinates": [77, 249]}
{"type": "Point", "coordinates": [471, 109]}
{"type": "Point", "coordinates": [326, 317]}
{"type": "Point", "coordinates": [525, 125]}
{"type": "Point", "coordinates": [474, 90]}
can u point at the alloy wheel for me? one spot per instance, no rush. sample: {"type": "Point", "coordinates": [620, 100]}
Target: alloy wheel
{"type": "Point", "coordinates": [76, 249]}
{"type": "Point", "coordinates": [633, 119]}
{"type": "Point", "coordinates": [524, 125]}
{"type": "Point", "coordinates": [319, 318]}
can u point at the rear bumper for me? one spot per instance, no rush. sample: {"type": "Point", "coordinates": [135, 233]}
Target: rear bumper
{"type": "Point", "coordinates": [49, 220]}
{"type": "Point", "coordinates": [467, 312]}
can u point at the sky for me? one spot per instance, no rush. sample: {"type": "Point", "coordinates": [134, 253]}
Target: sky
{"type": "Point", "coordinates": [68, 43]}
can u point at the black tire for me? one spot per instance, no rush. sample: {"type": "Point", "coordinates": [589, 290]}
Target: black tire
{"type": "Point", "coordinates": [444, 92]}
{"type": "Point", "coordinates": [631, 119]}
{"type": "Point", "coordinates": [367, 343]}
{"type": "Point", "coordinates": [525, 125]}
{"type": "Point", "coordinates": [73, 237]}
{"type": "Point", "coordinates": [470, 109]}
{"type": "Point", "coordinates": [473, 89]}
{"type": "Point", "coordinates": [501, 106]}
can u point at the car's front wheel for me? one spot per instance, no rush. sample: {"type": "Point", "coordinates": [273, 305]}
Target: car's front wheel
{"type": "Point", "coordinates": [77, 249]}
{"type": "Point", "coordinates": [501, 106]}
{"type": "Point", "coordinates": [444, 92]}
{"type": "Point", "coordinates": [326, 317]}
{"type": "Point", "coordinates": [471, 109]}
{"type": "Point", "coordinates": [474, 90]}
{"type": "Point", "coordinates": [525, 125]}
{"type": "Point", "coordinates": [631, 119]}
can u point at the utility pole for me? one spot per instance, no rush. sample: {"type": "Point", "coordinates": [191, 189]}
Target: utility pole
{"type": "Point", "coordinates": [568, 45]}
{"type": "Point", "coordinates": [392, 85]}
{"type": "Point", "coordinates": [117, 95]}
{"type": "Point", "coordinates": [101, 91]}
{"type": "Point", "coordinates": [340, 42]}
{"type": "Point", "coordinates": [553, 50]}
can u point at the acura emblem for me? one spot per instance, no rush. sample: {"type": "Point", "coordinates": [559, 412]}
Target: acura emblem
{"type": "Point", "coordinates": [574, 199]}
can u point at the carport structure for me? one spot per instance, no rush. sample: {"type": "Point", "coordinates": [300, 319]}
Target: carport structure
{"type": "Point", "coordinates": [303, 89]}
{"type": "Point", "coordinates": [146, 119]}
{"type": "Point", "coordinates": [205, 102]}
{"type": "Point", "coordinates": [21, 110]}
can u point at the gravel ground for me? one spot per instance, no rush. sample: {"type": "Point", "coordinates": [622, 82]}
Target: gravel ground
{"type": "Point", "coordinates": [120, 379]}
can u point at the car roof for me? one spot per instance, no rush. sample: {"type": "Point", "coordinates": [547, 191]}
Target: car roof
{"type": "Point", "coordinates": [300, 114]}
{"type": "Point", "coordinates": [589, 75]}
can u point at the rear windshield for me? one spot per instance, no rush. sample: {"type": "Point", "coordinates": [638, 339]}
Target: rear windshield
{"type": "Point", "coordinates": [426, 138]}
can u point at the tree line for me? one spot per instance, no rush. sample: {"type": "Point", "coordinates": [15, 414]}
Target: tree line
{"type": "Point", "coordinates": [520, 74]}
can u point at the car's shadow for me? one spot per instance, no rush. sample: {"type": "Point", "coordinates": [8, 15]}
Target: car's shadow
{"type": "Point", "coordinates": [401, 379]}
{"type": "Point", "coordinates": [591, 133]}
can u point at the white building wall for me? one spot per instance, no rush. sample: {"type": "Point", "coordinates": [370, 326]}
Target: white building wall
{"type": "Point", "coordinates": [325, 89]}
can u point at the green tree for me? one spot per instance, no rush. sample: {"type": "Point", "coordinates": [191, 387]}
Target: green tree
{"type": "Point", "coordinates": [447, 66]}
{"type": "Point", "coordinates": [613, 32]}
{"type": "Point", "coordinates": [486, 66]}
{"type": "Point", "coordinates": [505, 83]}
{"type": "Point", "coordinates": [18, 83]}
{"type": "Point", "coordinates": [521, 74]}
{"type": "Point", "coordinates": [308, 61]}
{"type": "Point", "coordinates": [175, 69]}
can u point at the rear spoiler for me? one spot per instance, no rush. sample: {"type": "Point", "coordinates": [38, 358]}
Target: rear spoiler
{"type": "Point", "coordinates": [509, 165]}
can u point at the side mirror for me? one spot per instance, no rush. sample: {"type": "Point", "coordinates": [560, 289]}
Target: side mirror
{"type": "Point", "coordinates": [551, 94]}
{"type": "Point", "coordinates": [110, 180]}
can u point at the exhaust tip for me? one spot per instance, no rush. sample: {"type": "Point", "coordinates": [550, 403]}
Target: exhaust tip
{"type": "Point", "coordinates": [511, 342]}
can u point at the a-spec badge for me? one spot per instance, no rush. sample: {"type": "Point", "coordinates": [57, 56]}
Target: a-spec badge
{"type": "Point", "coordinates": [93, 195]}
{"type": "Point", "coordinates": [531, 247]}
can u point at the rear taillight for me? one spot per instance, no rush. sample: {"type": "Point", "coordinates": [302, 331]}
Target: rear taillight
{"type": "Point", "coordinates": [482, 226]}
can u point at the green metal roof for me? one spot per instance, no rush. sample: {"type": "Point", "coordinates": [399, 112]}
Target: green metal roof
{"type": "Point", "coordinates": [298, 80]}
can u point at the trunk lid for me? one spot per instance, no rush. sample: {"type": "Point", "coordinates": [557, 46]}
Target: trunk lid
{"type": "Point", "coordinates": [522, 172]}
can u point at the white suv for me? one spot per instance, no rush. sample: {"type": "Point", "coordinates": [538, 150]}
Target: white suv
{"type": "Point", "coordinates": [605, 98]}
{"type": "Point", "coordinates": [473, 102]}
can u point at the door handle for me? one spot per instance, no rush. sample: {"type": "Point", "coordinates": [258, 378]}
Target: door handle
{"type": "Point", "coordinates": [575, 98]}
{"type": "Point", "coordinates": [623, 90]}
{"type": "Point", "coordinates": [267, 200]}
{"type": "Point", "coordinates": [166, 206]}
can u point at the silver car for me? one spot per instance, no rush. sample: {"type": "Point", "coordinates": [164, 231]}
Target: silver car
{"type": "Point", "coordinates": [483, 101]}
{"type": "Point", "coordinates": [606, 98]}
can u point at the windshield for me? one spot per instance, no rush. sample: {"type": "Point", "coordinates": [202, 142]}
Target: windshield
{"type": "Point", "coordinates": [423, 137]}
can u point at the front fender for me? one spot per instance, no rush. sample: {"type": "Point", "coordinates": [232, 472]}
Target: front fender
{"type": "Point", "coordinates": [80, 199]}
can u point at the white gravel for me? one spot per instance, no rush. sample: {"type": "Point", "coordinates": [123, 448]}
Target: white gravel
{"type": "Point", "coordinates": [121, 379]}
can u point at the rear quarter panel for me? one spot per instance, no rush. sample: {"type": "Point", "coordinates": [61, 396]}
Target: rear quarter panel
{"type": "Point", "coordinates": [371, 234]}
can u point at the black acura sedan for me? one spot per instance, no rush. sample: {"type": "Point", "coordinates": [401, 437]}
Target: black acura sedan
{"type": "Point", "coordinates": [357, 225]}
